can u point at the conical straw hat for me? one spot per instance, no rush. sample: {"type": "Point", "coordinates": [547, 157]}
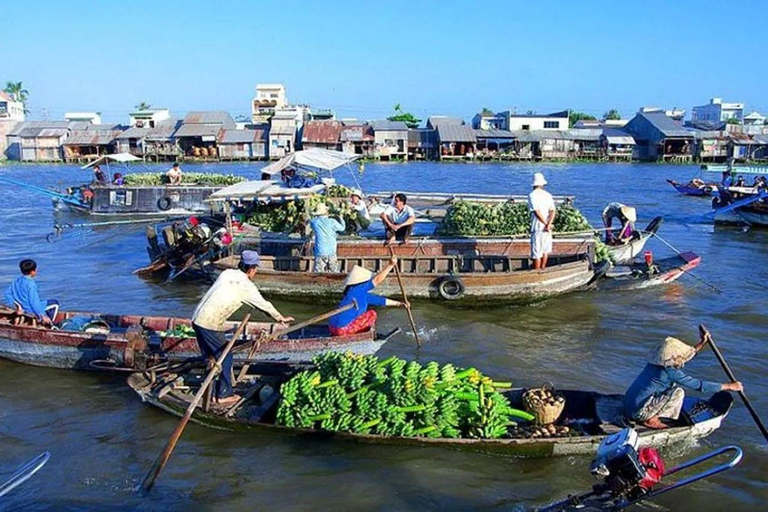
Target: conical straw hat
{"type": "Point", "coordinates": [672, 352]}
{"type": "Point", "coordinates": [358, 275]}
{"type": "Point", "coordinates": [630, 213]}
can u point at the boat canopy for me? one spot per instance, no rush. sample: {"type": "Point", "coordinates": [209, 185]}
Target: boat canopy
{"type": "Point", "coordinates": [314, 159]}
{"type": "Point", "coordinates": [736, 169]}
{"type": "Point", "coordinates": [266, 191]}
{"type": "Point", "coordinates": [122, 158]}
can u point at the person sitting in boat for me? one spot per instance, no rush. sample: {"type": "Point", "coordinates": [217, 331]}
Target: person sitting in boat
{"type": "Point", "coordinates": [541, 205]}
{"type": "Point", "coordinates": [358, 286]}
{"type": "Point", "coordinates": [627, 217]}
{"type": "Point", "coordinates": [87, 194]}
{"type": "Point", "coordinates": [657, 393]}
{"type": "Point", "coordinates": [398, 219]}
{"type": "Point", "coordinates": [118, 179]}
{"type": "Point", "coordinates": [362, 215]}
{"type": "Point", "coordinates": [741, 182]}
{"type": "Point", "coordinates": [23, 296]}
{"type": "Point", "coordinates": [231, 290]}
{"type": "Point", "coordinates": [99, 176]}
{"type": "Point", "coordinates": [326, 230]}
{"type": "Point", "coordinates": [174, 174]}
{"type": "Point", "coordinates": [727, 180]}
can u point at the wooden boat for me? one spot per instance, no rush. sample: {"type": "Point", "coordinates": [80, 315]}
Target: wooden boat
{"type": "Point", "coordinates": [741, 205]}
{"type": "Point", "coordinates": [625, 253]}
{"type": "Point", "coordinates": [695, 187]}
{"type": "Point", "coordinates": [589, 413]}
{"type": "Point", "coordinates": [637, 276]}
{"type": "Point", "coordinates": [462, 272]}
{"type": "Point", "coordinates": [133, 341]}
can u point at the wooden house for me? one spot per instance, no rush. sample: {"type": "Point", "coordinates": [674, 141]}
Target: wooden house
{"type": "Point", "coordinates": [322, 134]}
{"type": "Point", "coordinates": [357, 139]}
{"type": "Point", "coordinates": [660, 138]}
{"type": "Point", "coordinates": [390, 140]}
{"type": "Point", "coordinates": [282, 135]}
{"type": "Point", "coordinates": [617, 145]}
{"type": "Point", "coordinates": [88, 142]}
{"type": "Point", "coordinates": [246, 144]}
{"type": "Point", "coordinates": [199, 132]}
{"type": "Point", "coordinates": [422, 144]}
{"type": "Point", "coordinates": [456, 140]}
{"type": "Point", "coordinates": [37, 141]}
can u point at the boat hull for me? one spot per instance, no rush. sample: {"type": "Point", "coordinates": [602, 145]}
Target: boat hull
{"type": "Point", "coordinates": [637, 278]}
{"type": "Point", "coordinates": [707, 190]}
{"type": "Point", "coordinates": [143, 200]}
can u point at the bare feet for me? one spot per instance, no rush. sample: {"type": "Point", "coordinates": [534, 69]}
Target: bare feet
{"type": "Point", "coordinates": [654, 423]}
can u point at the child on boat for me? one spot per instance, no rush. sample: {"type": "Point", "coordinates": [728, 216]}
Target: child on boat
{"type": "Point", "coordinates": [23, 295]}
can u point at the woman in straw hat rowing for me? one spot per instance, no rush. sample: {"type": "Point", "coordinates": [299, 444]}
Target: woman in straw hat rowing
{"type": "Point", "coordinates": [358, 286]}
{"type": "Point", "coordinates": [627, 217]}
{"type": "Point", "coordinates": [657, 393]}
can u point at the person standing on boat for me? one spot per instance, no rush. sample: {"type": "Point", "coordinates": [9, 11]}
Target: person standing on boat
{"type": "Point", "coordinates": [657, 394]}
{"type": "Point", "coordinates": [542, 207]}
{"type": "Point", "coordinates": [231, 290]}
{"type": "Point", "coordinates": [626, 215]}
{"type": "Point", "coordinates": [362, 215]}
{"type": "Point", "coordinates": [326, 230]}
{"type": "Point", "coordinates": [23, 295]}
{"type": "Point", "coordinates": [398, 219]}
{"type": "Point", "coordinates": [174, 174]}
{"type": "Point", "coordinates": [99, 175]}
{"type": "Point", "coordinates": [358, 286]}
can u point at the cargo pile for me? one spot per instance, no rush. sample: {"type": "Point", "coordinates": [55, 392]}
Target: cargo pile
{"type": "Point", "coordinates": [394, 397]}
{"type": "Point", "coordinates": [292, 216]}
{"type": "Point", "coordinates": [151, 179]}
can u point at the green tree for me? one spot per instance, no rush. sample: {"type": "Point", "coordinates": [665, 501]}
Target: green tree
{"type": "Point", "coordinates": [612, 114]}
{"type": "Point", "coordinates": [18, 93]}
{"type": "Point", "coordinates": [733, 120]}
{"type": "Point", "coordinates": [487, 112]}
{"type": "Point", "coordinates": [574, 117]}
{"type": "Point", "coordinates": [143, 106]}
{"type": "Point", "coordinates": [409, 119]}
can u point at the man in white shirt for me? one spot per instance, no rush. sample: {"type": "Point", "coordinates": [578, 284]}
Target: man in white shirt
{"type": "Point", "coordinates": [541, 204]}
{"type": "Point", "coordinates": [231, 290]}
{"type": "Point", "coordinates": [398, 220]}
{"type": "Point", "coordinates": [174, 175]}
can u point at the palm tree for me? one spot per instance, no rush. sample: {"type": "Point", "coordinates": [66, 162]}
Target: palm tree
{"type": "Point", "coordinates": [143, 106]}
{"type": "Point", "coordinates": [18, 93]}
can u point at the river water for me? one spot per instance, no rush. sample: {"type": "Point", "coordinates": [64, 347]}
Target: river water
{"type": "Point", "coordinates": [102, 439]}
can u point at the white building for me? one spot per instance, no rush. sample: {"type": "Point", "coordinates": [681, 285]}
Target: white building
{"type": "Point", "coordinates": [754, 119]}
{"type": "Point", "coordinates": [83, 117]}
{"type": "Point", "coordinates": [268, 98]}
{"type": "Point", "coordinates": [674, 113]}
{"type": "Point", "coordinates": [511, 121]}
{"type": "Point", "coordinates": [150, 117]}
{"type": "Point", "coordinates": [717, 112]}
{"type": "Point", "coordinates": [10, 109]}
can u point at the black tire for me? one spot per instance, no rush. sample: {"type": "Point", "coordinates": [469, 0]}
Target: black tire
{"type": "Point", "coordinates": [451, 288]}
{"type": "Point", "coordinates": [164, 204]}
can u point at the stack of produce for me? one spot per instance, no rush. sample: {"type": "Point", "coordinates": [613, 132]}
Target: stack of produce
{"type": "Point", "coordinates": [179, 331]}
{"type": "Point", "coordinates": [292, 216]}
{"type": "Point", "coordinates": [189, 178]}
{"type": "Point", "coordinates": [361, 394]}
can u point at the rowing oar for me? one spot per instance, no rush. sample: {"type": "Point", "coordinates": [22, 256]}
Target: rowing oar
{"type": "Point", "coordinates": [405, 299]}
{"type": "Point", "coordinates": [149, 480]}
{"type": "Point", "coordinates": [257, 343]}
{"type": "Point", "coordinates": [708, 337]}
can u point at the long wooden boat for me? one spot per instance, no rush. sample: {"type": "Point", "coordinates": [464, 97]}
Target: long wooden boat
{"type": "Point", "coordinates": [741, 205]}
{"type": "Point", "coordinates": [462, 272]}
{"type": "Point", "coordinates": [637, 275]}
{"type": "Point", "coordinates": [133, 341]}
{"type": "Point", "coordinates": [625, 253]}
{"type": "Point", "coordinates": [590, 414]}
{"type": "Point", "coordinates": [695, 188]}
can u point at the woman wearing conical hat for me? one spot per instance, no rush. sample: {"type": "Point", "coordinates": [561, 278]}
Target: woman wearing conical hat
{"type": "Point", "coordinates": [657, 393]}
{"type": "Point", "coordinates": [358, 286]}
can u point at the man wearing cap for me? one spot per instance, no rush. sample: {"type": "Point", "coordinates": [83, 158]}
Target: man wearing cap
{"type": "Point", "coordinates": [326, 230]}
{"type": "Point", "coordinates": [358, 286]}
{"type": "Point", "coordinates": [657, 394]}
{"type": "Point", "coordinates": [357, 203]}
{"type": "Point", "coordinates": [542, 207]}
{"type": "Point", "coordinates": [174, 174]}
{"type": "Point", "coordinates": [231, 290]}
{"type": "Point", "coordinates": [627, 217]}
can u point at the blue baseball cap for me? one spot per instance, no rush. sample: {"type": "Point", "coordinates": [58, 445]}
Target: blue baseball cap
{"type": "Point", "coordinates": [251, 258]}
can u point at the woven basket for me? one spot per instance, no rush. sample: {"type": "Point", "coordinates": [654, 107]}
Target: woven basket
{"type": "Point", "coordinates": [544, 412]}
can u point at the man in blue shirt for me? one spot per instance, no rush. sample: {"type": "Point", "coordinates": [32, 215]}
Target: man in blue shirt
{"type": "Point", "coordinates": [326, 230]}
{"type": "Point", "coordinates": [22, 295]}
{"type": "Point", "coordinates": [657, 393]}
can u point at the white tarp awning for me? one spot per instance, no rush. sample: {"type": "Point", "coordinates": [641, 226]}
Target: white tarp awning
{"type": "Point", "coordinates": [314, 159]}
{"type": "Point", "coordinates": [265, 190]}
{"type": "Point", "coordinates": [122, 158]}
{"type": "Point", "coordinates": [620, 140]}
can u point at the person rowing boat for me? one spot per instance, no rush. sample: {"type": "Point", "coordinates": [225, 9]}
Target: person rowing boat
{"type": "Point", "coordinates": [626, 215]}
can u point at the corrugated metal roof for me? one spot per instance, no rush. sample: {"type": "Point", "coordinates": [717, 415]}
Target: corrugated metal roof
{"type": "Point", "coordinates": [135, 132]}
{"type": "Point", "coordinates": [665, 124]}
{"type": "Point", "coordinates": [385, 125]}
{"type": "Point", "coordinates": [5, 96]}
{"type": "Point", "coordinates": [53, 132]}
{"type": "Point", "coordinates": [494, 134]}
{"type": "Point", "coordinates": [218, 117]}
{"type": "Point", "coordinates": [241, 136]}
{"type": "Point", "coordinates": [616, 136]}
{"type": "Point", "coordinates": [590, 134]}
{"type": "Point", "coordinates": [91, 137]}
{"type": "Point", "coordinates": [322, 132]}
{"type": "Point", "coordinates": [436, 121]}
{"type": "Point", "coordinates": [455, 133]}
{"type": "Point", "coordinates": [423, 137]}
{"type": "Point", "coordinates": [197, 130]}
{"type": "Point", "coordinates": [164, 130]}
{"type": "Point", "coordinates": [26, 125]}
{"type": "Point", "coordinates": [760, 139]}
{"type": "Point", "coordinates": [356, 133]}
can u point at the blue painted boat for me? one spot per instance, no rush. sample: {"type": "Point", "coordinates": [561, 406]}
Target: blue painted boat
{"type": "Point", "coordinates": [695, 189]}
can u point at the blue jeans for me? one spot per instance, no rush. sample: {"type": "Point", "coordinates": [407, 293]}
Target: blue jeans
{"type": "Point", "coordinates": [211, 344]}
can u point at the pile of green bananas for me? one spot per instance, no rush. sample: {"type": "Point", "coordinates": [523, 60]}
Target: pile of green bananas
{"type": "Point", "coordinates": [180, 331]}
{"type": "Point", "coordinates": [293, 216]}
{"type": "Point", "coordinates": [190, 178]}
{"type": "Point", "coordinates": [337, 190]}
{"type": "Point", "coordinates": [394, 397]}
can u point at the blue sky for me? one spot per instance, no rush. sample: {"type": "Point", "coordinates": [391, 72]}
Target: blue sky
{"type": "Point", "coordinates": [360, 58]}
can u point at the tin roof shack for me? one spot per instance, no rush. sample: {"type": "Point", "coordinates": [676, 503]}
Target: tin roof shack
{"type": "Point", "coordinates": [494, 144]}
{"type": "Point", "coordinates": [282, 135]}
{"type": "Point", "coordinates": [710, 146]}
{"type": "Point", "coordinates": [660, 138]}
{"type": "Point", "coordinates": [198, 134]}
{"type": "Point", "coordinates": [247, 144]}
{"type": "Point", "coordinates": [83, 145]}
{"type": "Point", "coordinates": [422, 144]}
{"type": "Point", "coordinates": [160, 143]}
{"type": "Point", "coordinates": [357, 139]}
{"type": "Point", "coordinates": [37, 141]}
{"type": "Point", "coordinates": [586, 143]}
{"type": "Point", "coordinates": [457, 141]}
{"type": "Point", "coordinates": [617, 145]}
{"type": "Point", "coordinates": [390, 140]}
{"type": "Point", "coordinates": [555, 144]}
{"type": "Point", "coordinates": [322, 134]}
{"type": "Point", "coordinates": [747, 148]}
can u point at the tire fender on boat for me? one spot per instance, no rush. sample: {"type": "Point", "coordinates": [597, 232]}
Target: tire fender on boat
{"type": "Point", "coordinates": [164, 203]}
{"type": "Point", "coordinates": [451, 288]}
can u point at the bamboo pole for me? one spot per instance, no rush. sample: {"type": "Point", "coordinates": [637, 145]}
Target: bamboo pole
{"type": "Point", "coordinates": [405, 298]}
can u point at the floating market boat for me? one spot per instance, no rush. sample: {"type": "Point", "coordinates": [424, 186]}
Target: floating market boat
{"type": "Point", "coordinates": [590, 416]}
{"type": "Point", "coordinates": [638, 275]}
{"type": "Point", "coordinates": [695, 187]}
{"type": "Point", "coordinates": [626, 252]}
{"type": "Point", "coordinates": [741, 205]}
{"type": "Point", "coordinates": [94, 341]}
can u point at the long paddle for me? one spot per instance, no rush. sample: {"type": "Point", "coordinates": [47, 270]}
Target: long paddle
{"type": "Point", "coordinates": [149, 480]}
{"type": "Point", "coordinates": [319, 318]}
{"type": "Point", "coordinates": [405, 299]}
{"type": "Point", "coordinates": [708, 337]}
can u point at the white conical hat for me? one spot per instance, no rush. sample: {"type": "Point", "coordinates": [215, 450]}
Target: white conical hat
{"type": "Point", "coordinates": [320, 209]}
{"type": "Point", "coordinates": [358, 275]}
{"type": "Point", "coordinates": [629, 212]}
{"type": "Point", "coordinates": [672, 352]}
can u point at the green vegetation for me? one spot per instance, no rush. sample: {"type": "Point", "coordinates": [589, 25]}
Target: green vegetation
{"type": "Point", "coordinates": [409, 119]}
{"type": "Point", "coordinates": [487, 112]}
{"type": "Point", "coordinates": [189, 178]}
{"type": "Point", "coordinates": [143, 106]}
{"type": "Point", "coordinates": [574, 117]}
{"type": "Point", "coordinates": [393, 397]}
{"type": "Point", "coordinates": [612, 114]}
{"type": "Point", "coordinates": [292, 216]}
{"type": "Point", "coordinates": [733, 120]}
{"type": "Point", "coordinates": [18, 93]}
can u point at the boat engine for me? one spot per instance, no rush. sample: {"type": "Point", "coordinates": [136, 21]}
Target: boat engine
{"type": "Point", "coordinates": [624, 469]}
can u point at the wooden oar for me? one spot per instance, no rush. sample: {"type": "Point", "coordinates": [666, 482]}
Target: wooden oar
{"type": "Point", "coordinates": [708, 337]}
{"type": "Point", "coordinates": [405, 299]}
{"type": "Point", "coordinates": [319, 318]}
{"type": "Point", "coordinates": [149, 480]}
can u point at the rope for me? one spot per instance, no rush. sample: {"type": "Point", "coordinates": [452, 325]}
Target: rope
{"type": "Point", "coordinates": [715, 288]}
